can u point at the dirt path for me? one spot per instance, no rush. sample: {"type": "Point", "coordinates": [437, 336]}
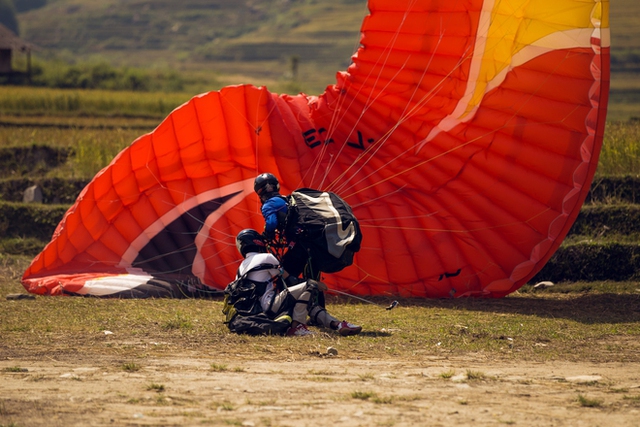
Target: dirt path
{"type": "Point", "coordinates": [185, 390]}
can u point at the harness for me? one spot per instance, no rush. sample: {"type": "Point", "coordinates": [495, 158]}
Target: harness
{"type": "Point", "coordinates": [242, 296]}
{"type": "Point", "coordinates": [242, 308]}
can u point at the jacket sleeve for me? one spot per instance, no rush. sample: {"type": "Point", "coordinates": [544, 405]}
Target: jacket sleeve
{"type": "Point", "coordinates": [270, 210]}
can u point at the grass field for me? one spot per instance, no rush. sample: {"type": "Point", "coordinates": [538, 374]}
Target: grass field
{"type": "Point", "coordinates": [577, 319]}
{"type": "Point", "coordinates": [621, 149]}
{"type": "Point", "coordinates": [33, 101]}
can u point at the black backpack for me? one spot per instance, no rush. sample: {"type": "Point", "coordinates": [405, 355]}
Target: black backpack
{"type": "Point", "coordinates": [243, 311]}
{"type": "Point", "coordinates": [324, 224]}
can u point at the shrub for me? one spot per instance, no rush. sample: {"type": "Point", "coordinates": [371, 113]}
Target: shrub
{"type": "Point", "coordinates": [101, 75]}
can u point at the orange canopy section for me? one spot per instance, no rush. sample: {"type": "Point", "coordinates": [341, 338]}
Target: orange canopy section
{"type": "Point", "coordinates": [464, 135]}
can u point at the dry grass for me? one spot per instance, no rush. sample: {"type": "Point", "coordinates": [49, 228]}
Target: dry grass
{"type": "Point", "coordinates": [585, 324]}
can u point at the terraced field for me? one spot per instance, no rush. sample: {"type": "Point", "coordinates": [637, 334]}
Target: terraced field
{"type": "Point", "coordinates": [602, 245]}
{"type": "Point", "coordinates": [603, 242]}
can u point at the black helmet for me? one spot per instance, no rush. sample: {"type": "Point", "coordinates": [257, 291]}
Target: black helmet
{"type": "Point", "coordinates": [266, 184]}
{"type": "Point", "coordinates": [249, 240]}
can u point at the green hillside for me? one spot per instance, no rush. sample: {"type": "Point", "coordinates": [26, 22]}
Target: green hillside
{"type": "Point", "coordinates": [252, 42]}
{"type": "Point", "coordinates": [255, 41]}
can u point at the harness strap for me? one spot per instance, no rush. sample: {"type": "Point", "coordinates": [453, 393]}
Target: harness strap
{"type": "Point", "coordinates": [268, 310]}
{"type": "Point", "coordinates": [258, 267]}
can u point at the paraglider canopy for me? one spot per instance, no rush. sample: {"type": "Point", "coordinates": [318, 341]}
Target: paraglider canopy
{"type": "Point", "coordinates": [464, 136]}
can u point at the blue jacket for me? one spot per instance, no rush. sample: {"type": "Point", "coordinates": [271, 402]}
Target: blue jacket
{"type": "Point", "coordinates": [272, 209]}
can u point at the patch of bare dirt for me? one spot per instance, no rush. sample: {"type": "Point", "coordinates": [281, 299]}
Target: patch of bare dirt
{"type": "Point", "coordinates": [184, 388]}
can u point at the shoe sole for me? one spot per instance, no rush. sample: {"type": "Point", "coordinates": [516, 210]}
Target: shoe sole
{"type": "Point", "coordinates": [346, 332]}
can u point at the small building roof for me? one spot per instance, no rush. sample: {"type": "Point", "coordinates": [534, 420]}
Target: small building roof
{"type": "Point", "coordinates": [9, 40]}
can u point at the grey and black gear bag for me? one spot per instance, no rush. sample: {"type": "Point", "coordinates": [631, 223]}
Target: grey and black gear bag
{"type": "Point", "coordinates": [325, 225]}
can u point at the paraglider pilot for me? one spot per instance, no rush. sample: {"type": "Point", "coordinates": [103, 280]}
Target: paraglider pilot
{"type": "Point", "coordinates": [252, 247]}
{"type": "Point", "coordinates": [275, 211]}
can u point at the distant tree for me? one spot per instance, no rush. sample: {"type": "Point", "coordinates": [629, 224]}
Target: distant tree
{"type": "Point", "coordinates": [8, 15]}
{"type": "Point", "coordinates": [25, 5]}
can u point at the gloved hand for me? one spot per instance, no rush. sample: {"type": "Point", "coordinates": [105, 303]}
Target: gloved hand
{"type": "Point", "coordinates": [268, 235]}
{"type": "Point", "coordinates": [320, 285]}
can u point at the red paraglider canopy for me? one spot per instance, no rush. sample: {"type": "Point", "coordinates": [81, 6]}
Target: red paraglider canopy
{"type": "Point", "coordinates": [464, 136]}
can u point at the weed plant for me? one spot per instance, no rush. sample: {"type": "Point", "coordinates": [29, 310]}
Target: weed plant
{"type": "Point", "coordinates": [589, 403]}
{"type": "Point", "coordinates": [362, 395]}
{"type": "Point", "coordinates": [130, 367]}
{"type": "Point", "coordinates": [159, 388]}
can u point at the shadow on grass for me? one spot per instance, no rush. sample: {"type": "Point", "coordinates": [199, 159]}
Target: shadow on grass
{"type": "Point", "coordinates": [585, 308]}
{"type": "Point", "coordinates": [374, 334]}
